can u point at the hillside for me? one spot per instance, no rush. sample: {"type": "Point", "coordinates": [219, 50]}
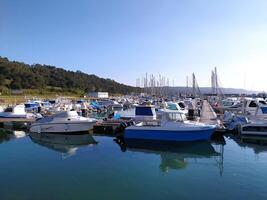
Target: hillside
{"type": "Point", "coordinates": [17, 75]}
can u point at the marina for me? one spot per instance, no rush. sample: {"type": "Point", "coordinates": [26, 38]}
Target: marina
{"type": "Point", "coordinates": [133, 100]}
{"type": "Point", "coordinates": [94, 146]}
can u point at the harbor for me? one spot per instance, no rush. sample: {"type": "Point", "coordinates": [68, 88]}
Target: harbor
{"type": "Point", "coordinates": [154, 143]}
{"type": "Point", "coordinates": [133, 100]}
{"type": "Point", "coordinates": [127, 145]}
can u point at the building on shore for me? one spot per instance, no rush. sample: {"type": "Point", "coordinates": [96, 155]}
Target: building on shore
{"type": "Point", "coordinates": [16, 92]}
{"type": "Point", "coordinates": [100, 95]}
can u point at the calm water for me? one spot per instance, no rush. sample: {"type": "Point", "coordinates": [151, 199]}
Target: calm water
{"type": "Point", "coordinates": [31, 169]}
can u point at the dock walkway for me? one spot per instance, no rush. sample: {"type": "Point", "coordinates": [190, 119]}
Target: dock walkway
{"type": "Point", "coordinates": [208, 116]}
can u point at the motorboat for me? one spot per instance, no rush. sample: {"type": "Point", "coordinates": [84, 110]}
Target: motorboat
{"type": "Point", "coordinates": [254, 128]}
{"type": "Point", "coordinates": [63, 122]}
{"type": "Point", "coordinates": [17, 111]}
{"type": "Point", "coordinates": [173, 126]}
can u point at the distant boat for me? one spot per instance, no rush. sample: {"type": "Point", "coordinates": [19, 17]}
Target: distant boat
{"type": "Point", "coordinates": [17, 111]}
{"type": "Point", "coordinates": [68, 122]}
{"type": "Point", "coordinates": [172, 127]}
{"type": "Point", "coordinates": [110, 103]}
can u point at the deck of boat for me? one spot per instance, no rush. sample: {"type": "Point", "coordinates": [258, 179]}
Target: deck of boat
{"type": "Point", "coordinates": [208, 116]}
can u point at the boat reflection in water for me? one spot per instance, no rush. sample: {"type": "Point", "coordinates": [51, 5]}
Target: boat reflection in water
{"type": "Point", "coordinates": [7, 134]}
{"type": "Point", "coordinates": [63, 143]}
{"type": "Point", "coordinates": [257, 144]}
{"type": "Point", "coordinates": [174, 155]}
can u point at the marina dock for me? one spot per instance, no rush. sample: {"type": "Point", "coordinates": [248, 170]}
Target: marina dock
{"type": "Point", "coordinates": [208, 116]}
{"type": "Point", "coordinates": [109, 127]}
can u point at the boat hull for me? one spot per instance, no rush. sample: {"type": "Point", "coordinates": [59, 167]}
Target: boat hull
{"type": "Point", "coordinates": [165, 135]}
{"type": "Point", "coordinates": [62, 128]}
{"type": "Point", "coordinates": [254, 129]}
{"type": "Point", "coordinates": [11, 116]}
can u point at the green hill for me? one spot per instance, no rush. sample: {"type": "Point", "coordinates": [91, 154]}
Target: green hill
{"type": "Point", "coordinates": [45, 78]}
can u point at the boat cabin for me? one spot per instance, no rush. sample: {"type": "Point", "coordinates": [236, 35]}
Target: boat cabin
{"type": "Point", "coordinates": [174, 116]}
{"type": "Point", "coordinates": [31, 106]}
{"type": "Point", "coordinates": [255, 106]}
{"type": "Point", "coordinates": [18, 109]}
{"type": "Point", "coordinates": [145, 113]}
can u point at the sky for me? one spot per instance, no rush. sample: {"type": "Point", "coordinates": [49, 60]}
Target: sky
{"type": "Point", "coordinates": [124, 39]}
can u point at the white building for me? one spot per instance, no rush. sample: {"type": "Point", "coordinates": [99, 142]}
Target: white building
{"type": "Point", "coordinates": [101, 95]}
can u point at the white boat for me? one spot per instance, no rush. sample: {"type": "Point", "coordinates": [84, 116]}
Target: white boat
{"type": "Point", "coordinates": [251, 106]}
{"type": "Point", "coordinates": [254, 128]}
{"type": "Point", "coordinates": [17, 111]}
{"type": "Point", "coordinates": [63, 122]}
{"type": "Point", "coordinates": [172, 127]}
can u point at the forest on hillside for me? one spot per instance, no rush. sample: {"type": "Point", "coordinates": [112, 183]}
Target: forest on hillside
{"type": "Point", "coordinates": [18, 75]}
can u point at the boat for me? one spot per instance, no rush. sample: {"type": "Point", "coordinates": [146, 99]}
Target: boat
{"type": "Point", "coordinates": [254, 128]}
{"type": "Point", "coordinates": [173, 126]}
{"type": "Point", "coordinates": [63, 122]}
{"type": "Point", "coordinates": [17, 111]}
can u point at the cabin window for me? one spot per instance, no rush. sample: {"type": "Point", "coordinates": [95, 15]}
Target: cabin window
{"type": "Point", "coordinates": [29, 105]}
{"type": "Point", "coordinates": [263, 102]}
{"type": "Point", "coordinates": [175, 117]}
{"type": "Point", "coordinates": [252, 104]}
{"type": "Point", "coordinates": [8, 109]}
{"type": "Point", "coordinates": [264, 110]}
{"type": "Point", "coordinates": [147, 111]}
{"type": "Point", "coordinates": [181, 105]}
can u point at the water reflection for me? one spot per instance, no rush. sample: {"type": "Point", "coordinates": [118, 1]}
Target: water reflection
{"type": "Point", "coordinates": [7, 134]}
{"type": "Point", "coordinates": [257, 144]}
{"type": "Point", "coordinates": [175, 155]}
{"type": "Point", "coordinates": [65, 144]}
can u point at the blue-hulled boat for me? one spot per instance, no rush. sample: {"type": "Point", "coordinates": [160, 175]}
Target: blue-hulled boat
{"type": "Point", "coordinates": [172, 127]}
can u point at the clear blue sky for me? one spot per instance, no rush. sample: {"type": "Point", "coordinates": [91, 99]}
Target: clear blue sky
{"type": "Point", "coordinates": [123, 39]}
